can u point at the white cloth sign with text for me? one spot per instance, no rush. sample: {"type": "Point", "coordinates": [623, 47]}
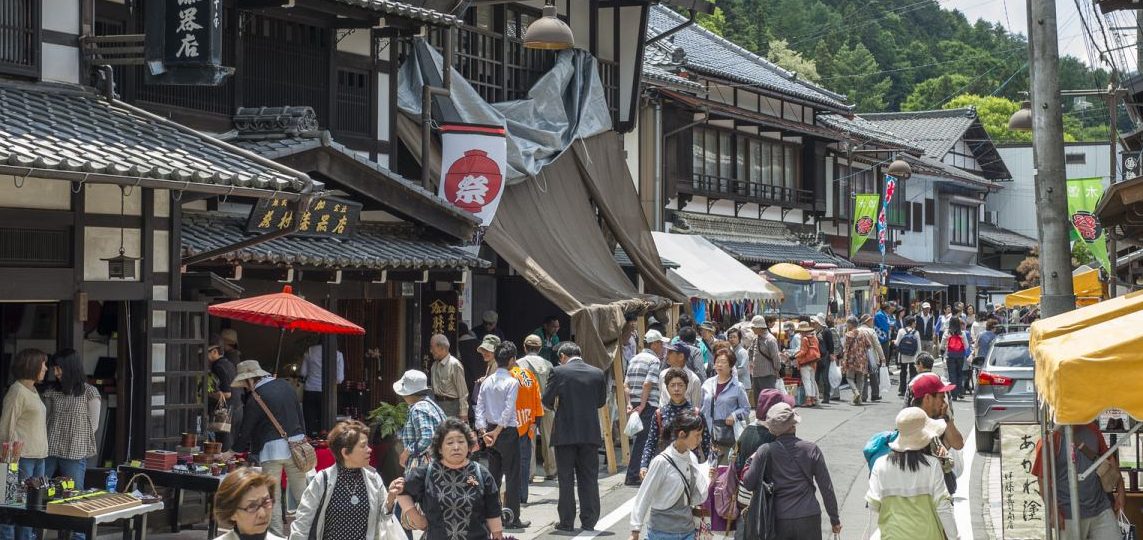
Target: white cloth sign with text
{"type": "Point", "coordinates": [473, 159]}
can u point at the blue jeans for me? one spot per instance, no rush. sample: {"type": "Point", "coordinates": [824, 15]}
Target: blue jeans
{"type": "Point", "coordinates": [29, 467]}
{"type": "Point", "coordinates": [656, 535]}
{"type": "Point", "coordinates": [525, 467]}
{"type": "Point", "coordinates": [76, 469]}
{"type": "Point", "coordinates": [955, 367]}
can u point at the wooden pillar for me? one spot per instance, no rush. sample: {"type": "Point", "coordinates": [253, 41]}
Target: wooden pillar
{"type": "Point", "coordinates": [621, 401]}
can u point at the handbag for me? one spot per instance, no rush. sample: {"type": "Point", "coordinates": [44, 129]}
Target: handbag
{"type": "Point", "coordinates": [220, 419]}
{"type": "Point", "coordinates": [301, 452]}
{"type": "Point", "coordinates": [1107, 471]}
{"type": "Point", "coordinates": [1126, 528]}
{"type": "Point", "coordinates": [721, 434]}
{"type": "Point", "coordinates": [759, 523]}
{"type": "Point", "coordinates": [391, 529]}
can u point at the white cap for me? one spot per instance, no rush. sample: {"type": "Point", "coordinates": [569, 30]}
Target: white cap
{"type": "Point", "coordinates": [654, 335]}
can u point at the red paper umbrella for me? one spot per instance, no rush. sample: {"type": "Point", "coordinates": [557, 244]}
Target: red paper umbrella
{"type": "Point", "coordinates": [286, 311]}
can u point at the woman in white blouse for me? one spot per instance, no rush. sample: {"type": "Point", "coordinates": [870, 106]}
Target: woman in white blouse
{"type": "Point", "coordinates": [675, 483]}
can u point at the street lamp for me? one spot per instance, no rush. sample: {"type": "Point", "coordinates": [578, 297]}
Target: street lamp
{"type": "Point", "coordinates": [1021, 120]}
{"type": "Point", "coordinates": [549, 32]}
{"type": "Point", "coordinates": [900, 169]}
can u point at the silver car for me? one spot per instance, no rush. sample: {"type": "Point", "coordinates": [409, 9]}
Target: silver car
{"type": "Point", "coordinates": [1005, 388]}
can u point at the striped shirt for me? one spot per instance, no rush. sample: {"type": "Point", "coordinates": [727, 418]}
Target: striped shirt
{"type": "Point", "coordinates": [644, 368]}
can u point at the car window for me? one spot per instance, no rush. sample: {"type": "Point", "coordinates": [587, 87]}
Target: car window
{"type": "Point", "coordinates": [1011, 355]}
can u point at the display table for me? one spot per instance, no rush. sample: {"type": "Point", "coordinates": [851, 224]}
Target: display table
{"type": "Point", "coordinates": [179, 482]}
{"type": "Point", "coordinates": [134, 526]}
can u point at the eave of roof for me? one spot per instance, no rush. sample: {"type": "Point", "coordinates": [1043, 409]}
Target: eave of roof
{"type": "Point", "coordinates": [938, 131]}
{"type": "Point", "coordinates": [372, 247]}
{"type": "Point", "coordinates": [402, 9]}
{"type": "Point", "coordinates": [714, 55]}
{"type": "Point", "coordinates": [71, 133]}
{"type": "Point", "coordinates": [868, 132]}
{"type": "Point", "coordinates": [735, 113]}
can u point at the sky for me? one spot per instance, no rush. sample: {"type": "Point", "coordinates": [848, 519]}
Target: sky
{"type": "Point", "coordinates": [1013, 15]}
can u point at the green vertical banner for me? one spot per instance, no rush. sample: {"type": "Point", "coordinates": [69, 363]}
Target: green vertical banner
{"type": "Point", "coordinates": [1083, 196]}
{"type": "Point", "coordinates": [864, 220]}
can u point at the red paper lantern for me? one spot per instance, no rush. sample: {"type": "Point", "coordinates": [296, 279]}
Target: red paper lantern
{"type": "Point", "coordinates": [473, 181]}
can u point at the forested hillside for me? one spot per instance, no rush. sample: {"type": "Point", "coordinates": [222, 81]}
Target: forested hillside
{"type": "Point", "coordinates": [890, 55]}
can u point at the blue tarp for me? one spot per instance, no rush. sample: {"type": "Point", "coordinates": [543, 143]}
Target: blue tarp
{"type": "Point", "coordinates": [905, 280]}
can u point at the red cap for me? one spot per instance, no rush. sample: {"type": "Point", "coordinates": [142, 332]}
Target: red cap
{"type": "Point", "coordinates": [929, 383]}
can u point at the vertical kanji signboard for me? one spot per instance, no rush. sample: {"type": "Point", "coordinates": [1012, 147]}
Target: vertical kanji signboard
{"type": "Point", "coordinates": [184, 42]}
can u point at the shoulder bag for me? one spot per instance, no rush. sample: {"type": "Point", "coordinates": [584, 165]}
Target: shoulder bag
{"type": "Point", "coordinates": [721, 434]}
{"type": "Point", "coordinates": [220, 418]}
{"type": "Point", "coordinates": [302, 452]}
{"type": "Point", "coordinates": [759, 516]}
{"type": "Point", "coordinates": [702, 530]}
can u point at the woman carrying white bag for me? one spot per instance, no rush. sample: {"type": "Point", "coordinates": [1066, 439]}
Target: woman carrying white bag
{"type": "Point", "coordinates": [348, 501]}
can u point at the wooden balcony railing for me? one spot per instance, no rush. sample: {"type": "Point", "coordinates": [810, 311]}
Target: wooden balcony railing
{"type": "Point", "coordinates": [20, 37]}
{"type": "Point", "coordinates": [741, 190]}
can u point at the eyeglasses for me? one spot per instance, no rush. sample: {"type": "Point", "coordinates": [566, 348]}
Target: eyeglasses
{"type": "Point", "coordinates": [214, 350]}
{"type": "Point", "coordinates": [254, 507]}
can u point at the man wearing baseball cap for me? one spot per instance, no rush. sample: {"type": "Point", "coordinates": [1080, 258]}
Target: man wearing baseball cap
{"type": "Point", "coordinates": [929, 392]}
{"type": "Point", "coordinates": [642, 387]}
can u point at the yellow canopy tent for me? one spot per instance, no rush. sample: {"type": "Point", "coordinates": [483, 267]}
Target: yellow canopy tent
{"type": "Point", "coordinates": [1078, 319]}
{"type": "Point", "coordinates": [1084, 372]}
{"type": "Point", "coordinates": [1088, 290]}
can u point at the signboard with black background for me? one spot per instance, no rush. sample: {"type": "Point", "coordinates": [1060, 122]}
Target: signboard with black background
{"type": "Point", "coordinates": [329, 217]}
{"type": "Point", "coordinates": [184, 42]}
{"type": "Point", "coordinates": [440, 314]}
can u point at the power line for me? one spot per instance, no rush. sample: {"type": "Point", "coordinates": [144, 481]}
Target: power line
{"type": "Point", "coordinates": [843, 25]}
{"type": "Point", "coordinates": [896, 70]}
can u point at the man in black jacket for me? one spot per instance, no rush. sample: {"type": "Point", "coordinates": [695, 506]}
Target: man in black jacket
{"type": "Point", "coordinates": [271, 400]}
{"type": "Point", "coordinates": [581, 390]}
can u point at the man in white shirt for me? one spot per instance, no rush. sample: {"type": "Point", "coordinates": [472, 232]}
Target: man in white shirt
{"type": "Point", "coordinates": [496, 422]}
{"type": "Point", "coordinates": [311, 372]}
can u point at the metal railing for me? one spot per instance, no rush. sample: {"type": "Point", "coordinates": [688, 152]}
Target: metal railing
{"type": "Point", "coordinates": [729, 188]}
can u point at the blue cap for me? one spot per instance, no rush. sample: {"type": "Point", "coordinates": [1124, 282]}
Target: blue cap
{"type": "Point", "coordinates": [680, 347]}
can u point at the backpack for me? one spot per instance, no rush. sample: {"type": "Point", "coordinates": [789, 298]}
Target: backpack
{"type": "Point", "coordinates": [909, 345]}
{"type": "Point", "coordinates": [877, 446]}
{"type": "Point", "coordinates": [956, 347]}
{"type": "Point", "coordinates": [726, 491]}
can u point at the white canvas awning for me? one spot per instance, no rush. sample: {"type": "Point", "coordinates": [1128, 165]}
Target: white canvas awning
{"type": "Point", "coordinates": [707, 272]}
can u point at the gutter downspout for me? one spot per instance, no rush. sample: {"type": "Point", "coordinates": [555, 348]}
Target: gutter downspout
{"type": "Point", "coordinates": [427, 93]}
{"type": "Point", "coordinates": [657, 157]}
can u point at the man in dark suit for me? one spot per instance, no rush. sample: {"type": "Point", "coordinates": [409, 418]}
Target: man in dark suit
{"type": "Point", "coordinates": [581, 390]}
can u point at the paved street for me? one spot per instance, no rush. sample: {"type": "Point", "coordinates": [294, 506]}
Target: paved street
{"type": "Point", "coordinates": [841, 431]}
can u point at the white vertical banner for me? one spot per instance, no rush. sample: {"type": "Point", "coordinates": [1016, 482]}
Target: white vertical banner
{"type": "Point", "coordinates": [1022, 506]}
{"type": "Point", "coordinates": [473, 163]}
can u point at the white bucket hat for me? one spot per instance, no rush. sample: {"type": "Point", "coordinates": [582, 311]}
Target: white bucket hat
{"type": "Point", "coordinates": [916, 430]}
{"type": "Point", "coordinates": [412, 383]}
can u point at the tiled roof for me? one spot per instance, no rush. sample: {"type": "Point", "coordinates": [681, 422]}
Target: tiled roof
{"type": "Point", "coordinates": [656, 74]}
{"type": "Point", "coordinates": [661, 62]}
{"type": "Point", "coordinates": [771, 253]}
{"type": "Point", "coordinates": [72, 130]}
{"type": "Point", "coordinates": [935, 131]}
{"type": "Point", "coordinates": [280, 146]}
{"type": "Point", "coordinates": [926, 164]}
{"type": "Point", "coordinates": [402, 9]}
{"type": "Point", "coordinates": [712, 54]}
{"type": "Point", "coordinates": [373, 247]}
{"type": "Point", "coordinates": [732, 228]}
{"type": "Point", "coordinates": [866, 131]}
{"type": "Point", "coordinates": [623, 260]}
{"type": "Point", "coordinates": [1001, 237]}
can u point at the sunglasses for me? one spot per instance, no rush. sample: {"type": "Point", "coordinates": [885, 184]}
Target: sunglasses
{"type": "Point", "coordinates": [266, 503]}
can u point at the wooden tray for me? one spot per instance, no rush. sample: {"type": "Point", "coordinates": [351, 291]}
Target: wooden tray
{"type": "Point", "coordinates": [92, 505]}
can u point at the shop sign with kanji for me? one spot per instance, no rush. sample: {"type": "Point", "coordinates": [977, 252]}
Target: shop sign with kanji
{"type": "Point", "coordinates": [440, 314]}
{"type": "Point", "coordinates": [1022, 507]}
{"type": "Point", "coordinates": [328, 217]}
{"type": "Point", "coordinates": [184, 41]}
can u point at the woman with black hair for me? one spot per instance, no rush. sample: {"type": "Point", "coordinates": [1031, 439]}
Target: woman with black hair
{"type": "Point", "coordinates": [456, 495]}
{"type": "Point", "coordinates": [675, 483]}
{"type": "Point", "coordinates": [73, 418]}
{"type": "Point", "coordinates": [907, 486]}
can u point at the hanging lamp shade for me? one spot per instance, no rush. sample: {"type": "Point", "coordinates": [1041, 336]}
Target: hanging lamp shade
{"type": "Point", "coordinates": [789, 272]}
{"type": "Point", "coordinates": [900, 169]}
{"type": "Point", "coordinates": [1021, 120]}
{"type": "Point", "coordinates": [549, 32]}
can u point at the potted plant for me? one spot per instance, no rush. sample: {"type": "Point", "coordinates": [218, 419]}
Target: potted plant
{"type": "Point", "coordinates": [384, 423]}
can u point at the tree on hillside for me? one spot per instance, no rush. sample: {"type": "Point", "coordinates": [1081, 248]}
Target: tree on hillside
{"type": "Point", "coordinates": [857, 75]}
{"type": "Point", "coordinates": [994, 113]}
{"type": "Point", "coordinates": [715, 22]}
{"type": "Point", "coordinates": [933, 93]}
{"type": "Point", "coordinates": [787, 58]}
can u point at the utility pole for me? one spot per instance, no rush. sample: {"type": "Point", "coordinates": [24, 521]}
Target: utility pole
{"type": "Point", "coordinates": [1113, 132]}
{"type": "Point", "coordinates": [1048, 145]}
